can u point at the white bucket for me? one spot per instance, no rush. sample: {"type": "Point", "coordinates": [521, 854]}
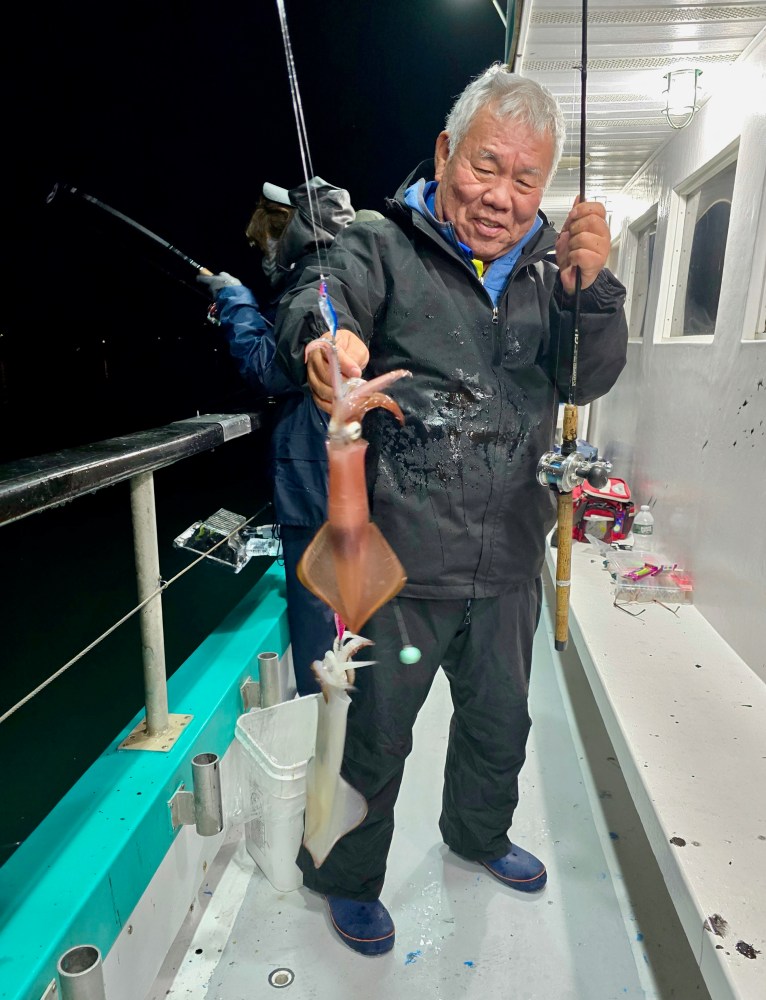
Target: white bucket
{"type": "Point", "coordinates": [279, 741]}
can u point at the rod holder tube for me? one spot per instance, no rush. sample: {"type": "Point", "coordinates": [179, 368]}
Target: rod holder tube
{"type": "Point", "coordinates": [272, 676]}
{"type": "Point", "coordinates": [208, 801]}
{"type": "Point", "coordinates": [81, 973]}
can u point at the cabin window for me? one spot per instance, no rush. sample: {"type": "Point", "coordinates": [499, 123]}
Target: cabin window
{"type": "Point", "coordinates": [645, 237]}
{"type": "Point", "coordinates": [705, 220]}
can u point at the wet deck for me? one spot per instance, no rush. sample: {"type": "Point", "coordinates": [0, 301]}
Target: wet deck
{"type": "Point", "coordinates": [602, 929]}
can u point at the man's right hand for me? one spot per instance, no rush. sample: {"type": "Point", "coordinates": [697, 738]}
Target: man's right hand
{"type": "Point", "coordinates": [353, 357]}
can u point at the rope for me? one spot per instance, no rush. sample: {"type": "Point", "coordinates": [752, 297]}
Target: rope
{"type": "Point", "coordinates": [104, 635]}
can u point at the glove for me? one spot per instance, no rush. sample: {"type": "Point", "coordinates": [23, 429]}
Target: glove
{"type": "Point", "coordinates": [215, 282]}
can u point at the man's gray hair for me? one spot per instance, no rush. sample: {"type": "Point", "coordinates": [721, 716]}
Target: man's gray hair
{"type": "Point", "coordinates": [509, 97]}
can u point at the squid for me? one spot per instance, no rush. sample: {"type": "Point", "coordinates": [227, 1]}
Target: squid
{"type": "Point", "coordinates": [352, 568]}
{"type": "Point", "coordinates": [333, 807]}
{"type": "Point", "coordinates": [348, 564]}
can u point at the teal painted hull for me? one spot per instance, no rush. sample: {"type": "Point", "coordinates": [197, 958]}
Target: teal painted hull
{"type": "Point", "coordinates": [78, 877]}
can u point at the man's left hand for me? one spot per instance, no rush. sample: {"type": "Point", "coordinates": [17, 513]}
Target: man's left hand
{"type": "Point", "coordinates": [215, 282]}
{"type": "Point", "coordinates": [583, 242]}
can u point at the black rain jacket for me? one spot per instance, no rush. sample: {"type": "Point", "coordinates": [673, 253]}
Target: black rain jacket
{"type": "Point", "coordinates": [455, 491]}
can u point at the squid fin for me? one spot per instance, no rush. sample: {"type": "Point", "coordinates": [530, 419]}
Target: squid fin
{"type": "Point", "coordinates": [363, 588]}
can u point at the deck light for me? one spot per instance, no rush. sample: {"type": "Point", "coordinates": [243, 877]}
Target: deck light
{"type": "Point", "coordinates": [682, 95]}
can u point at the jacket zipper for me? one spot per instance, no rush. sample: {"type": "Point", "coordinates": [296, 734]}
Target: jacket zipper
{"type": "Point", "coordinates": [537, 255]}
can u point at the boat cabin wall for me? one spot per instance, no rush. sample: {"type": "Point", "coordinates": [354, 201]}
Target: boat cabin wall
{"type": "Point", "coordinates": [686, 423]}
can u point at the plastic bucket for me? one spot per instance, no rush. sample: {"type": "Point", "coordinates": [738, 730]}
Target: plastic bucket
{"type": "Point", "coordinates": [279, 742]}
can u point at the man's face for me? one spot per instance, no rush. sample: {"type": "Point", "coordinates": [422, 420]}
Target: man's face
{"type": "Point", "coordinates": [491, 188]}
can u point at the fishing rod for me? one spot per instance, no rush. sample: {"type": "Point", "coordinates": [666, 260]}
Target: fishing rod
{"type": "Point", "coordinates": [60, 188]}
{"type": "Point", "coordinates": [568, 468]}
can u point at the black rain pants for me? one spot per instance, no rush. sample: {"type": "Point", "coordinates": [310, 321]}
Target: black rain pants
{"type": "Point", "coordinates": [484, 647]}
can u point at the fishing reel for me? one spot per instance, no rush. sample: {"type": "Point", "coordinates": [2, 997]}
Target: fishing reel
{"type": "Point", "coordinates": [567, 471]}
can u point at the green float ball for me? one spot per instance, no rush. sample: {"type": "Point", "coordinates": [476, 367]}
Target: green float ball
{"type": "Point", "coordinates": [409, 654]}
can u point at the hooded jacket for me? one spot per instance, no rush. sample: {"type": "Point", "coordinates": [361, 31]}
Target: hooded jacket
{"type": "Point", "coordinates": [321, 211]}
{"type": "Point", "coordinates": [455, 491]}
{"type": "Point", "coordinates": [298, 458]}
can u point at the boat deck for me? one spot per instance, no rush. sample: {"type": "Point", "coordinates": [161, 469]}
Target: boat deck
{"type": "Point", "coordinates": [603, 928]}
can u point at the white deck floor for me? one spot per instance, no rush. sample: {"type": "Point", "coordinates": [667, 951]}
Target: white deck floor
{"type": "Point", "coordinates": [602, 929]}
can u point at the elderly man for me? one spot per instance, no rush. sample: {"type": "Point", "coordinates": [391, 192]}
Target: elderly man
{"type": "Point", "coordinates": [467, 285]}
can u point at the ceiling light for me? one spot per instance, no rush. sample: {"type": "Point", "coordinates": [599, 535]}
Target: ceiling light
{"type": "Point", "coordinates": [682, 95]}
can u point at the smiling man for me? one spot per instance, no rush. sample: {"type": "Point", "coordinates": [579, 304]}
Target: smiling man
{"type": "Point", "coordinates": [467, 285]}
{"type": "Point", "coordinates": [491, 188]}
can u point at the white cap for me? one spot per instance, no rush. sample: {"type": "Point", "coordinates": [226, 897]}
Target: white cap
{"type": "Point", "coordinates": [275, 193]}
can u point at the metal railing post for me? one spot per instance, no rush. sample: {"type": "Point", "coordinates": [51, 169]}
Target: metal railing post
{"type": "Point", "coordinates": [148, 580]}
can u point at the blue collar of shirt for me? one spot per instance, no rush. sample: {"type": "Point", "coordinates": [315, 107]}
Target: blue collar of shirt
{"type": "Point", "coordinates": [421, 195]}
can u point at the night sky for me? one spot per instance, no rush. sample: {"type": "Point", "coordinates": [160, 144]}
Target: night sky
{"type": "Point", "coordinates": [174, 115]}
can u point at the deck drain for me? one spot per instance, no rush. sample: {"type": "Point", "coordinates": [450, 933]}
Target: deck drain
{"type": "Point", "coordinates": [281, 978]}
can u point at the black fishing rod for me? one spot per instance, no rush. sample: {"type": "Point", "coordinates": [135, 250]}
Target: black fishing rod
{"type": "Point", "coordinates": [61, 188]}
{"type": "Point", "coordinates": [567, 468]}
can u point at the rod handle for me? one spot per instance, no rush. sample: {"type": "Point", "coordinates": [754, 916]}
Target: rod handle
{"type": "Point", "coordinates": [563, 569]}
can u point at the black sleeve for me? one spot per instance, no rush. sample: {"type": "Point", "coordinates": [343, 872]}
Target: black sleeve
{"type": "Point", "coordinates": [602, 340]}
{"type": "Point", "coordinates": [356, 283]}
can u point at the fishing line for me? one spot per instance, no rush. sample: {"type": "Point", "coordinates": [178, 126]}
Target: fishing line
{"type": "Point", "coordinates": [164, 584]}
{"type": "Point", "coordinates": [408, 653]}
{"type": "Point", "coordinates": [303, 140]}
{"type": "Point", "coordinates": [325, 303]}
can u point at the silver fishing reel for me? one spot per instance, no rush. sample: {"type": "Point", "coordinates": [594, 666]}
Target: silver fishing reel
{"type": "Point", "coordinates": [567, 471]}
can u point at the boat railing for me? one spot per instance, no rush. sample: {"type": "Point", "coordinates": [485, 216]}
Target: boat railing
{"type": "Point", "coordinates": [105, 881]}
{"type": "Point", "coordinates": [32, 485]}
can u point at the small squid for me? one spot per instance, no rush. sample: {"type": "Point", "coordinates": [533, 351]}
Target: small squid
{"type": "Point", "coordinates": [333, 807]}
{"type": "Point", "coordinates": [349, 564]}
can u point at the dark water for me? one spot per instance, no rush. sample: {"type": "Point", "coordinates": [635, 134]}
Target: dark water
{"type": "Point", "coordinates": [113, 343]}
{"type": "Point", "coordinates": [68, 574]}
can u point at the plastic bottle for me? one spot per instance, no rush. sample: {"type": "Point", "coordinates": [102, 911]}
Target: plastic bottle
{"type": "Point", "coordinates": [263, 547]}
{"type": "Point", "coordinates": [260, 541]}
{"type": "Point", "coordinates": [643, 523]}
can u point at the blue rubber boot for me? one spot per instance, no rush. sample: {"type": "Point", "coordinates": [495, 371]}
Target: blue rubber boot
{"type": "Point", "coordinates": [364, 925]}
{"type": "Point", "coordinates": [519, 869]}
